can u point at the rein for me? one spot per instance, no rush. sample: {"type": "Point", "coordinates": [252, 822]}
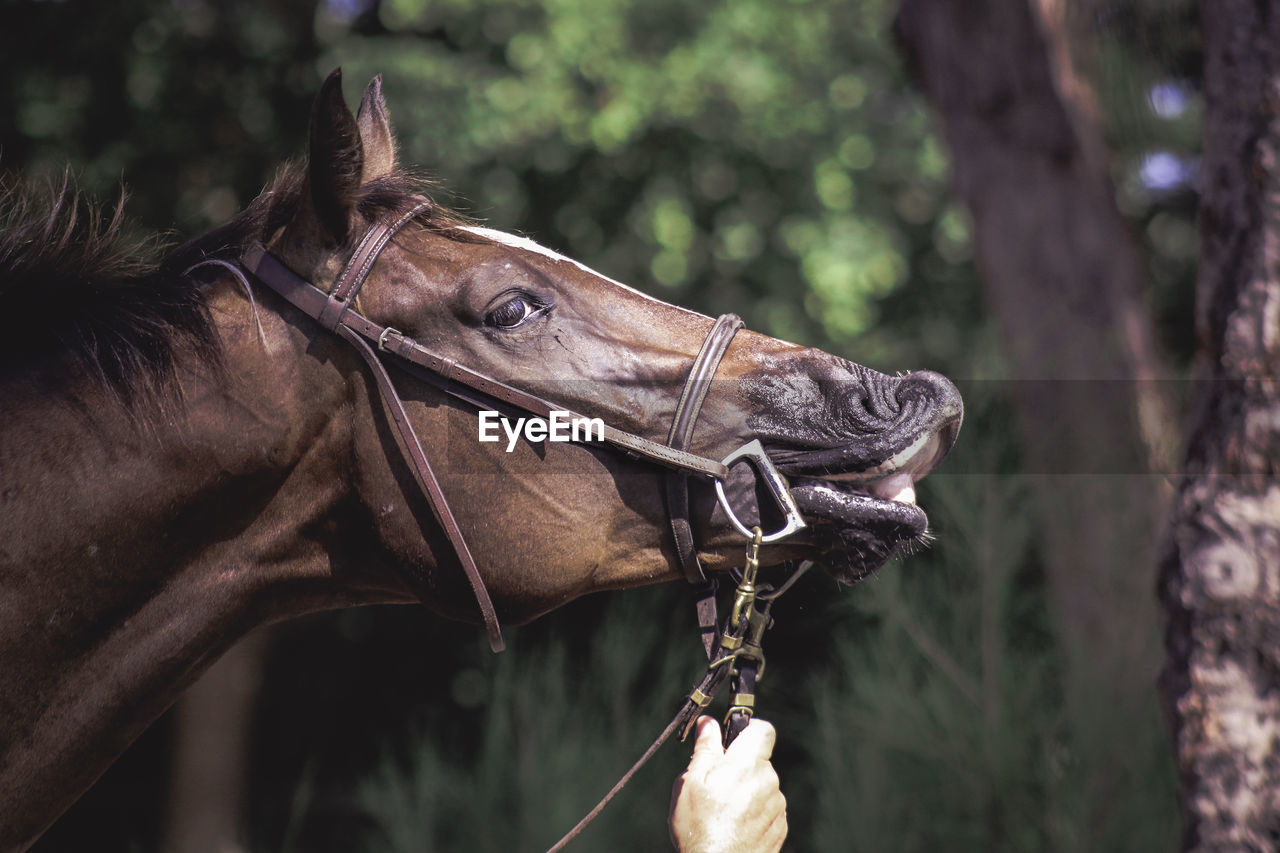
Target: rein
{"type": "Point", "coordinates": [734, 652]}
{"type": "Point", "coordinates": [737, 655]}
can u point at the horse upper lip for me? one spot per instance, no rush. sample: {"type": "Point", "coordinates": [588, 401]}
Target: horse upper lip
{"type": "Point", "coordinates": [894, 478]}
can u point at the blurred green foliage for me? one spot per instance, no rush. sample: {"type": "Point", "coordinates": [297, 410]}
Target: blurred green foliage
{"type": "Point", "coordinates": [761, 156]}
{"type": "Point", "coordinates": [561, 719]}
{"type": "Point", "coordinates": [757, 155]}
{"type": "Point", "coordinates": [946, 728]}
{"type": "Point", "coordinates": [765, 158]}
{"type": "Point", "coordinates": [187, 104]}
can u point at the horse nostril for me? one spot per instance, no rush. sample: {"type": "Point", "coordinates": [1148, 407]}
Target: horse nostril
{"type": "Point", "coordinates": [868, 404]}
{"type": "Point", "coordinates": [933, 389]}
{"type": "Point", "coordinates": [875, 402]}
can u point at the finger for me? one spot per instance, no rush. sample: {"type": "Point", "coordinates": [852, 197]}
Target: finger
{"type": "Point", "coordinates": [773, 837]}
{"type": "Point", "coordinates": [773, 814]}
{"type": "Point", "coordinates": [756, 741]}
{"type": "Point", "coordinates": [706, 747]}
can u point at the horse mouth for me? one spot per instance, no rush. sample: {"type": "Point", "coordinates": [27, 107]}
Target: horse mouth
{"type": "Point", "coordinates": [859, 519]}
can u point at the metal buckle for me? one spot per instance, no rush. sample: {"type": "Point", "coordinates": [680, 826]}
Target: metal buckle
{"type": "Point", "coordinates": [753, 453]}
{"type": "Point", "coordinates": [382, 338]}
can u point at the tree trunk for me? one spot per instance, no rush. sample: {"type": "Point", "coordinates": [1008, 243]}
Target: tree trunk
{"type": "Point", "coordinates": [1220, 570]}
{"type": "Point", "coordinates": [1064, 279]}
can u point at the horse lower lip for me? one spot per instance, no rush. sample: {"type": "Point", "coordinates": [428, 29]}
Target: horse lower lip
{"type": "Point", "coordinates": [845, 504]}
{"type": "Point", "coordinates": [855, 531]}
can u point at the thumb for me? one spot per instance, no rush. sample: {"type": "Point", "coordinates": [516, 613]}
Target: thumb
{"type": "Point", "coordinates": [755, 742]}
{"type": "Point", "coordinates": [707, 747]}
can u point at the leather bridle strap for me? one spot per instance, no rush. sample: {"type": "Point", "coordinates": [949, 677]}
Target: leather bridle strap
{"type": "Point", "coordinates": [332, 309]}
{"type": "Point", "coordinates": [449, 375]}
{"type": "Point", "coordinates": [335, 315]}
{"type": "Point", "coordinates": [680, 436]}
{"type": "Point", "coordinates": [358, 266]}
{"type": "Point", "coordinates": [411, 449]}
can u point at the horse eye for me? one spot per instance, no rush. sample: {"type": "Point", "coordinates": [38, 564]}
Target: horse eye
{"type": "Point", "coordinates": [512, 313]}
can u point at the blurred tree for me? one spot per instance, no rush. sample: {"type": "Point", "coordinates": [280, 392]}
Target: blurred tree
{"type": "Point", "coordinates": [1219, 582]}
{"type": "Point", "coordinates": [211, 753]}
{"type": "Point", "coordinates": [689, 148]}
{"type": "Point", "coordinates": [1065, 279]}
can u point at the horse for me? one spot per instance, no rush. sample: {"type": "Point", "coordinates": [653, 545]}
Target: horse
{"type": "Point", "coordinates": [188, 452]}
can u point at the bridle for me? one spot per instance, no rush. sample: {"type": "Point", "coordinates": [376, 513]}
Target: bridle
{"type": "Point", "coordinates": [733, 652]}
{"type": "Point", "coordinates": [333, 310]}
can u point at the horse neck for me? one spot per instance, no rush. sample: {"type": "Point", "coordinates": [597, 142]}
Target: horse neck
{"type": "Point", "coordinates": [131, 556]}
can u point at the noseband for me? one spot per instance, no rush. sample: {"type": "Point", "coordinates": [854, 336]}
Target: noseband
{"type": "Point", "coordinates": [333, 310]}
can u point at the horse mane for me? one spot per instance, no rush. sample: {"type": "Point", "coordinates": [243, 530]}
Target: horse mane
{"type": "Point", "coordinates": [82, 290]}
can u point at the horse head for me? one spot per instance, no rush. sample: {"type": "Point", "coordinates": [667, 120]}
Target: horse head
{"type": "Point", "coordinates": [548, 521]}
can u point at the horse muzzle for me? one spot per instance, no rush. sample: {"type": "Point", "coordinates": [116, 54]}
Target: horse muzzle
{"type": "Point", "coordinates": [852, 447]}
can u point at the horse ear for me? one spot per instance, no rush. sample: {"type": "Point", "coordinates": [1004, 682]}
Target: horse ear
{"type": "Point", "coordinates": [336, 161]}
{"type": "Point", "coordinates": [375, 133]}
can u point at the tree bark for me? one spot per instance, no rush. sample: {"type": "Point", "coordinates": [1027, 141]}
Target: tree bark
{"type": "Point", "coordinates": [1220, 569]}
{"type": "Point", "coordinates": [1065, 281]}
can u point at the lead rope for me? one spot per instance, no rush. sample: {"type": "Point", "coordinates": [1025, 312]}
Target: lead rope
{"type": "Point", "coordinates": [747, 661]}
{"type": "Point", "coordinates": [738, 653]}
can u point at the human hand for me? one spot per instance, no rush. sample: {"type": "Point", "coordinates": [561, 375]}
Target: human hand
{"type": "Point", "coordinates": [729, 801]}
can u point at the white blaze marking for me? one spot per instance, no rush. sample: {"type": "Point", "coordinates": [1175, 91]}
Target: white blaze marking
{"type": "Point", "coordinates": [515, 241]}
